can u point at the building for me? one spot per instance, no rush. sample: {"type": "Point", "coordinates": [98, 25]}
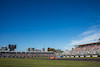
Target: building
{"type": "Point", "coordinates": [36, 49]}
{"type": "Point", "coordinates": [32, 49]}
{"type": "Point", "coordinates": [4, 48]}
{"type": "Point", "coordinates": [28, 49]}
{"type": "Point", "coordinates": [43, 49]}
{"type": "Point", "coordinates": [58, 50]}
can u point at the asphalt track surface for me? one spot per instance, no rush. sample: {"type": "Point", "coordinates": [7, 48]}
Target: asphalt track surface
{"type": "Point", "coordinates": [74, 59]}
{"type": "Point", "coordinates": [95, 60]}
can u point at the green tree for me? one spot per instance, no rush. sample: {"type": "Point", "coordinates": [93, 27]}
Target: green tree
{"type": "Point", "coordinates": [99, 39]}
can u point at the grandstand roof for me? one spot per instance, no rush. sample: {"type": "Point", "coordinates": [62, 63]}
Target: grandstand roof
{"type": "Point", "coordinates": [88, 44]}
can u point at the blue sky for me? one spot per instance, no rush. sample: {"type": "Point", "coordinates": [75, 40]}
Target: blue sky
{"type": "Point", "coordinates": [58, 24]}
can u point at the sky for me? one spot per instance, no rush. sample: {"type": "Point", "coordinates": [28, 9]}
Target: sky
{"type": "Point", "coordinates": [59, 24]}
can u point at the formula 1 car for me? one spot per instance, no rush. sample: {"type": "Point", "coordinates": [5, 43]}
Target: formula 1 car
{"type": "Point", "coordinates": [53, 58]}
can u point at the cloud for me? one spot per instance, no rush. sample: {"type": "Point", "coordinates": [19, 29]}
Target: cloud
{"type": "Point", "coordinates": [95, 26]}
{"type": "Point", "coordinates": [88, 32]}
{"type": "Point", "coordinates": [89, 36]}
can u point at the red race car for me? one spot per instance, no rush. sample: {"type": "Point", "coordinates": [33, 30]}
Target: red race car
{"type": "Point", "coordinates": [52, 58]}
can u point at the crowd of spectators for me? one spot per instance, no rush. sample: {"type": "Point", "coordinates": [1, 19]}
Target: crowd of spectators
{"type": "Point", "coordinates": [86, 49]}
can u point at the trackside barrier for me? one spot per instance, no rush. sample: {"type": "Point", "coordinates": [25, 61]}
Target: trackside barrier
{"type": "Point", "coordinates": [63, 56]}
{"type": "Point", "coordinates": [68, 56]}
{"type": "Point", "coordinates": [88, 56]}
{"type": "Point", "coordinates": [72, 56]}
{"type": "Point", "coordinates": [19, 56]}
{"type": "Point", "coordinates": [82, 56]}
{"type": "Point", "coordinates": [94, 55]}
{"type": "Point", "coordinates": [76, 56]}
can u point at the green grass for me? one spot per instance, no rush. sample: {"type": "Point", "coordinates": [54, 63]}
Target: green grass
{"type": "Point", "coordinates": [31, 62]}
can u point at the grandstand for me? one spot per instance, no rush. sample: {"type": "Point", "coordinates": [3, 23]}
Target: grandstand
{"type": "Point", "coordinates": [85, 50]}
{"type": "Point", "coordinates": [13, 54]}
